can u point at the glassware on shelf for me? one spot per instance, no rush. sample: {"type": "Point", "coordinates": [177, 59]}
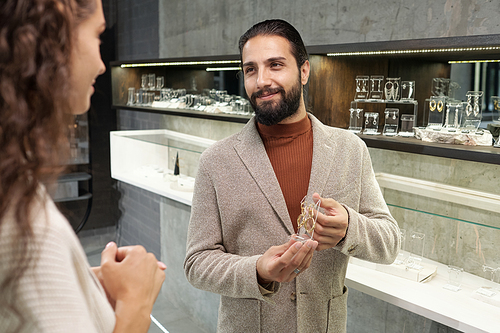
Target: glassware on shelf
{"type": "Point", "coordinates": [407, 121]}
{"type": "Point", "coordinates": [452, 116]}
{"type": "Point", "coordinates": [391, 122]}
{"type": "Point", "coordinates": [376, 91]}
{"type": "Point", "coordinates": [436, 107]}
{"type": "Point", "coordinates": [355, 120]}
{"type": "Point", "coordinates": [371, 123]}
{"type": "Point", "coordinates": [454, 86]}
{"type": "Point", "coordinates": [362, 87]}
{"type": "Point", "coordinates": [472, 113]}
{"type": "Point", "coordinates": [392, 89]}
{"type": "Point", "coordinates": [491, 288]}
{"type": "Point", "coordinates": [131, 96]}
{"type": "Point", "coordinates": [407, 90]}
{"type": "Point", "coordinates": [455, 275]}
{"type": "Point", "coordinates": [417, 242]}
{"type": "Point", "coordinates": [151, 81]}
{"type": "Point", "coordinates": [160, 81]}
{"type": "Point", "coordinates": [144, 81]}
{"type": "Point", "coordinates": [139, 97]}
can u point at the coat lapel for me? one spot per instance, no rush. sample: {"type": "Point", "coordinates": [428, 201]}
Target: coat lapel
{"type": "Point", "coordinates": [252, 153]}
{"type": "Point", "coordinates": [322, 161]}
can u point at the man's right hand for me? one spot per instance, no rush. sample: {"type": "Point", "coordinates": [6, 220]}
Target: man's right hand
{"type": "Point", "coordinates": [280, 263]}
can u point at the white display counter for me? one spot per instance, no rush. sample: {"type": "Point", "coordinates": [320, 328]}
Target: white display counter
{"type": "Point", "coordinates": [146, 159]}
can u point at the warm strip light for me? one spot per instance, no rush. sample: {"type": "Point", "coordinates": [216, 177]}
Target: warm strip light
{"type": "Point", "coordinates": [181, 63]}
{"type": "Point", "coordinates": [390, 52]}
{"type": "Point", "coordinates": [217, 69]}
{"type": "Point", "coordinates": [470, 61]}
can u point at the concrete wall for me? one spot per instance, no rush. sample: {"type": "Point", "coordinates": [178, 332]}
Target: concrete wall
{"type": "Point", "coordinates": [214, 27]}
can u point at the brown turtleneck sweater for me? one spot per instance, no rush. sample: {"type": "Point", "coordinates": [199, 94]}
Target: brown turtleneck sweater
{"type": "Point", "coordinates": [290, 149]}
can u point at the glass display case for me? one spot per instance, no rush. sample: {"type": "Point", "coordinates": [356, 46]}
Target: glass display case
{"type": "Point", "coordinates": [148, 159]}
{"type": "Point", "coordinates": [459, 242]}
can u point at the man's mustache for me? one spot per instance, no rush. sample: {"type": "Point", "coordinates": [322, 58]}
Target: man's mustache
{"type": "Point", "coordinates": [267, 91]}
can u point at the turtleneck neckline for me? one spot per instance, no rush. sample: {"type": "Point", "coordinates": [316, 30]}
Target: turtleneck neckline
{"type": "Point", "coordinates": [285, 130]}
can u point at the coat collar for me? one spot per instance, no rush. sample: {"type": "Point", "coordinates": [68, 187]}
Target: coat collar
{"type": "Point", "coordinates": [252, 153]}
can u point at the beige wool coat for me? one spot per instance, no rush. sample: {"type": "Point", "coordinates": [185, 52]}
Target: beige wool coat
{"type": "Point", "coordinates": [238, 212]}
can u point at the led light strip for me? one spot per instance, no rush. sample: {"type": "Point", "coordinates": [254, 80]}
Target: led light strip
{"type": "Point", "coordinates": [470, 61]}
{"type": "Point", "coordinates": [462, 49]}
{"type": "Point", "coordinates": [217, 69]}
{"type": "Point", "coordinates": [181, 63]}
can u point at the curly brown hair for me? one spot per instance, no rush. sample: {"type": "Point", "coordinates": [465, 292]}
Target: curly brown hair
{"type": "Point", "coordinates": [36, 40]}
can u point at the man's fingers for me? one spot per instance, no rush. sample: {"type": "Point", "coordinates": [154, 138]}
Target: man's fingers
{"type": "Point", "coordinates": [108, 255]}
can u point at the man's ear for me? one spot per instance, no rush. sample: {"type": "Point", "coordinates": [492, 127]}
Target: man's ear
{"type": "Point", "coordinates": [304, 72]}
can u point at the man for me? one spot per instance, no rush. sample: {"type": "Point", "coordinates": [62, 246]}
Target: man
{"type": "Point", "coordinates": [247, 199]}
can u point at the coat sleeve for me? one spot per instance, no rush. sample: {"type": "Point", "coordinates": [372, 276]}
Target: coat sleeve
{"type": "Point", "coordinates": [373, 234]}
{"type": "Point", "coordinates": [208, 266]}
{"type": "Point", "coordinates": [50, 294]}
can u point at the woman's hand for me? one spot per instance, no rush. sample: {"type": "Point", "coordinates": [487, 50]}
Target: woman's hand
{"type": "Point", "coordinates": [132, 279]}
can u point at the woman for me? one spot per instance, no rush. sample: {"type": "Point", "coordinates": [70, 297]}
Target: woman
{"type": "Point", "coordinates": [49, 59]}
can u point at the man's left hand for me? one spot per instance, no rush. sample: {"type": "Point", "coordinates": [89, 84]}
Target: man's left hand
{"type": "Point", "coordinates": [331, 227]}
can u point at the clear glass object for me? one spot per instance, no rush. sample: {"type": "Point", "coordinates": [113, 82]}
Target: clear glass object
{"type": "Point", "coordinates": [472, 114]}
{"type": "Point", "coordinates": [436, 107]}
{"type": "Point", "coordinates": [407, 121]}
{"type": "Point", "coordinates": [392, 89]}
{"type": "Point", "coordinates": [402, 255]}
{"type": "Point", "coordinates": [496, 109]}
{"type": "Point", "coordinates": [160, 81]}
{"type": "Point", "coordinates": [131, 96]}
{"type": "Point", "coordinates": [377, 84]}
{"type": "Point", "coordinates": [355, 120]}
{"type": "Point", "coordinates": [306, 222]}
{"type": "Point", "coordinates": [407, 90]}
{"type": "Point", "coordinates": [151, 81]}
{"type": "Point", "coordinates": [391, 116]}
{"type": "Point", "coordinates": [371, 123]}
{"type": "Point", "coordinates": [362, 87]}
{"type": "Point", "coordinates": [144, 81]}
{"type": "Point", "coordinates": [491, 288]}
{"type": "Point", "coordinates": [455, 275]}
{"type": "Point", "coordinates": [417, 241]}
{"type": "Point", "coordinates": [440, 86]}
{"type": "Point", "coordinates": [452, 116]}
{"type": "Point", "coordinates": [454, 86]}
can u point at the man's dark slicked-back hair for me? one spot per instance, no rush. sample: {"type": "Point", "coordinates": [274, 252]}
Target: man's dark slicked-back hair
{"type": "Point", "coordinates": [280, 28]}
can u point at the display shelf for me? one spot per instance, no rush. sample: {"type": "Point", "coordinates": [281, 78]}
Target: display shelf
{"type": "Point", "coordinates": [436, 191]}
{"type": "Point", "coordinates": [458, 310]}
{"type": "Point", "coordinates": [146, 159]}
{"type": "Point", "coordinates": [235, 118]}
{"type": "Point", "coordinates": [481, 154]}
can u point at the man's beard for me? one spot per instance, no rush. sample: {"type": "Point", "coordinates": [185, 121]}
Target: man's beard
{"type": "Point", "coordinates": [271, 112]}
